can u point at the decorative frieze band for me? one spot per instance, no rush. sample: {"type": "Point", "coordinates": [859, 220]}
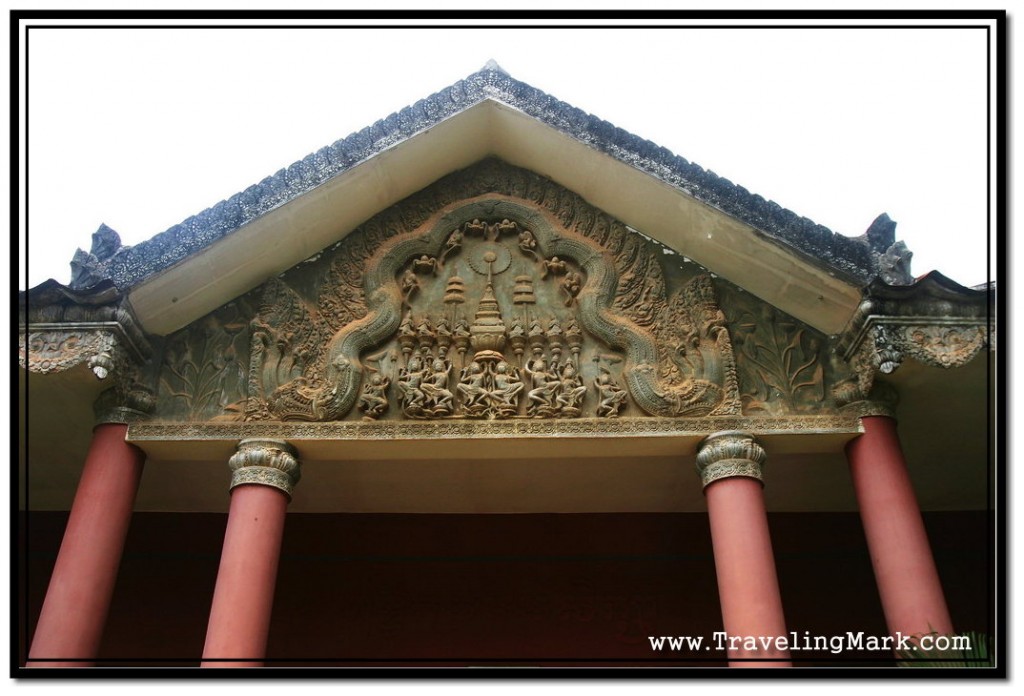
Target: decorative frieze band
{"type": "Point", "coordinates": [267, 463]}
{"type": "Point", "coordinates": [421, 430]}
{"type": "Point", "coordinates": [728, 454]}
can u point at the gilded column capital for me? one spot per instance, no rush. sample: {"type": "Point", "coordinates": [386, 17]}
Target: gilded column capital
{"type": "Point", "coordinates": [267, 463]}
{"type": "Point", "coordinates": [727, 454]}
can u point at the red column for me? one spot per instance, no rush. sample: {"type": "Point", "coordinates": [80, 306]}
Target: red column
{"type": "Point", "coordinates": [730, 467]}
{"type": "Point", "coordinates": [908, 582]}
{"type": "Point", "coordinates": [75, 608]}
{"type": "Point", "coordinates": [265, 472]}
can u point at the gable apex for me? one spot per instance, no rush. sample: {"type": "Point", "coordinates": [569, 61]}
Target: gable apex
{"type": "Point", "coordinates": [490, 113]}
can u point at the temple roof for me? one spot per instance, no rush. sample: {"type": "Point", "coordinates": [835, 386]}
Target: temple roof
{"type": "Point", "coordinates": [817, 277]}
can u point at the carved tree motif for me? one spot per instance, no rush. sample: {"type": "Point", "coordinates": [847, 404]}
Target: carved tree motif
{"type": "Point", "coordinates": [203, 374]}
{"type": "Point", "coordinates": [779, 363]}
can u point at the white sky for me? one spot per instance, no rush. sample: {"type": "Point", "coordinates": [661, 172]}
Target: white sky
{"type": "Point", "coordinates": [142, 128]}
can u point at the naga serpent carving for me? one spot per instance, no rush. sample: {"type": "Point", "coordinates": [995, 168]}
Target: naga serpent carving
{"type": "Point", "coordinates": [330, 391]}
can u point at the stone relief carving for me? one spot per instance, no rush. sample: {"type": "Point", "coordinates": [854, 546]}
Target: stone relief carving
{"type": "Point", "coordinates": [546, 374]}
{"type": "Point", "coordinates": [60, 349]}
{"type": "Point", "coordinates": [496, 294]}
{"type": "Point", "coordinates": [452, 367]}
{"type": "Point", "coordinates": [780, 360]}
{"type": "Point", "coordinates": [523, 303]}
{"type": "Point", "coordinates": [943, 346]}
{"type": "Point", "coordinates": [496, 429]}
{"type": "Point", "coordinates": [203, 373]}
{"type": "Point", "coordinates": [696, 354]}
{"type": "Point", "coordinates": [612, 396]}
{"type": "Point", "coordinates": [286, 339]}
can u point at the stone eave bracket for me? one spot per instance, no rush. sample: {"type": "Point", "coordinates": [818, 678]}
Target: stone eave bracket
{"type": "Point", "coordinates": [936, 341]}
{"type": "Point", "coordinates": [50, 347]}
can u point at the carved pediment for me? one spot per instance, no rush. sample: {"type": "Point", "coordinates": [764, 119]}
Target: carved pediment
{"type": "Point", "coordinates": [493, 294]}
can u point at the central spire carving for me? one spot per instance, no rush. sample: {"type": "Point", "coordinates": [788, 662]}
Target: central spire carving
{"type": "Point", "coordinates": [486, 378]}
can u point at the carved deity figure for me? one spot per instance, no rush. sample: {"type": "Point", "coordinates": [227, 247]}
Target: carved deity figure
{"type": "Point", "coordinates": [572, 329]}
{"type": "Point", "coordinates": [453, 243]}
{"type": "Point", "coordinates": [424, 330]}
{"type": "Point", "coordinates": [535, 328]}
{"type": "Point", "coordinates": [442, 328]}
{"type": "Point", "coordinates": [545, 382]}
{"type": "Point", "coordinates": [528, 243]}
{"type": "Point", "coordinates": [571, 285]}
{"type": "Point", "coordinates": [373, 402]}
{"type": "Point", "coordinates": [410, 284]}
{"type": "Point", "coordinates": [471, 387]}
{"type": "Point", "coordinates": [516, 329]}
{"type": "Point", "coordinates": [571, 390]}
{"type": "Point", "coordinates": [612, 396]}
{"type": "Point", "coordinates": [476, 227]}
{"type": "Point", "coordinates": [554, 266]}
{"type": "Point", "coordinates": [507, 385]}
{"type": "Point", "coordinates": [410, 383]}
{"type": "Point", "coordinates": [504, 226]}
{"type": "Point", "coordinates": [435, 388]}
{"type": "Point", "coordinates": [405, 328]}
{"type": "Point", "coordinates": [462, 327]}
{"type": "Point", "coordinates": [425, 264]}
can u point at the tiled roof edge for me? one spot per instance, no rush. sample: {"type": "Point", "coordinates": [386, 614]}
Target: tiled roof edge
{"type": "Point", "coordinates": [128, 266]}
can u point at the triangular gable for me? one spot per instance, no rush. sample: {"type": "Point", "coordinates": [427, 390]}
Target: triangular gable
{"type": "Point", "coordinates": [226, 250]}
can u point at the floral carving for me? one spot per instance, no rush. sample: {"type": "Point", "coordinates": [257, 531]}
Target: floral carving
{"type": "Point", "coordinates": [61, 349]}
{"type": "Point", "coordinates": [203, 373]}
{"type": "Point", "coordinates": [779, 362]}
{"type": "Point", "coordinates": [943, 346]}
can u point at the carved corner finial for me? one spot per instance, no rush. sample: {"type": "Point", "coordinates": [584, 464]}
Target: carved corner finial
{"type": "Point", "coordinates": [891, 258]}
{"type": "Point", "coordinates": [271, 463]}
{"type": "Point", "coordinates": [730, 453]}
{"type": "Point", "coordinates": [90, 267]}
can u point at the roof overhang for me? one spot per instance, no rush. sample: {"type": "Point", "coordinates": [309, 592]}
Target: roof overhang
{"type": "Point", "coordinates": [298, 229]}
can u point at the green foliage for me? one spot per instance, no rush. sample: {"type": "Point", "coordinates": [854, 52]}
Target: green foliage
{"type": "Point", "coordinates": [977, 654]}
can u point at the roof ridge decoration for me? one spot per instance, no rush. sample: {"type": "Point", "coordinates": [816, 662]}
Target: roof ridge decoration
{"type": "Point", "coordinates": [858, 259]}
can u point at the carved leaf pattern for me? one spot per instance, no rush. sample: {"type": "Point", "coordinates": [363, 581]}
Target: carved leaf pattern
{"type": "Point", "coordinates": [203, 372]}
{"type": "Point", "coordinates": [778, 359]}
